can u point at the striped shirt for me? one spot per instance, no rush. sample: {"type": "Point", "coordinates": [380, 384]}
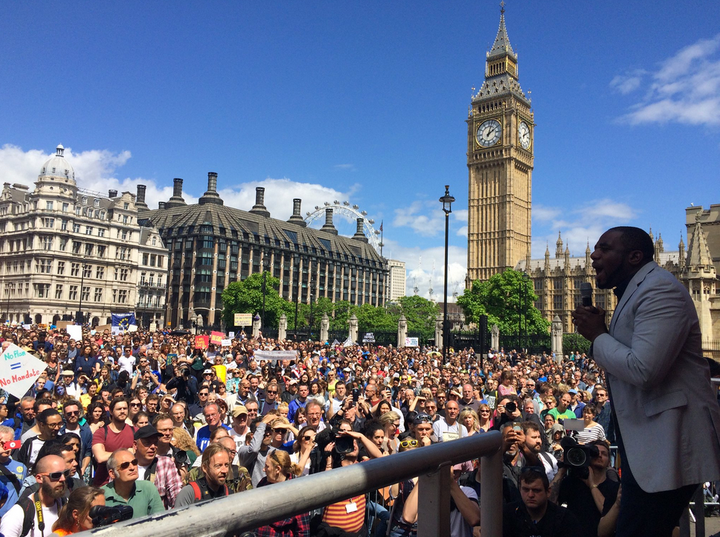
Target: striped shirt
{"type": "Point", "coordinates": [342, 514]}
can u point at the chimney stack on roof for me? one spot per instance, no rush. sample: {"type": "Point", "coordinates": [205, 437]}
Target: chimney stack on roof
{"type": "Point", "coordinates": [176, 200]}
{"type": "Point", "coordinates": [211, 196]}
{"type": "Point", "coordinates": [140, 198]}
{"type": "Point", "coordinates": [259, 207]}
{"type": "Point", "coordinates": [296, 217]}
{"type": "Point", "coordinates": [328, 226]}
{"type": "Point", "coordinates": [112, 193]}
{"type": "Point", "coordinates": [359, 235]}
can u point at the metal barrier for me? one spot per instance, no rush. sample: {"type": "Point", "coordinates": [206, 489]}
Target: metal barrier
{"type": "Point", "coordinates": [246, 511]}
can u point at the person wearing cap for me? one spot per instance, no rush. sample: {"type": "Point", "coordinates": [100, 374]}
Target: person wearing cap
{"type": "Point", "coordinates": [160, 471]}
{"type": "Point", "coordinates": [576, 405]}
{"type": "Point", "coordinates": [240, 425]}
{"type": "Point", "coordinates": [126, 489]}
{"type": "Point", "coordinates": [290, 391]}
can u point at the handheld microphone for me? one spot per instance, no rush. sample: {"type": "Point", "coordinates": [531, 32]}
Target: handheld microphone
{"type": "Point", "coordinates": [586, 291]}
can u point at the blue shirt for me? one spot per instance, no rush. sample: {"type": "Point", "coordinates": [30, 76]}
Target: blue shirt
{"type": "Point", "coordinates": [20, 472]}
{"type": "Point", "coordinates": [203, 436]}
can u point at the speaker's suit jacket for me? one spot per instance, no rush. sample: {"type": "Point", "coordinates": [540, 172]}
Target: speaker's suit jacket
{"type": "Point", "coordinates": [660, 387]}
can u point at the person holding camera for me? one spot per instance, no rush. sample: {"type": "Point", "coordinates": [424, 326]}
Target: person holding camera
{"type": "Point", "coordinates": [588, 490]}
{"type": "Point", "coordinates": [185, 384]}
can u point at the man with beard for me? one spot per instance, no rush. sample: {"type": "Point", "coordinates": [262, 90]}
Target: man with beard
{"type": "Point", "coordinates": [113, 436]}
{"type": "Point", "coordinates": [125, 489]}
{"type": "Point", "coordinates": [50, 474]}
{"type": "Point", "coordinates": [658, 380]}
{"type": "Point", "coordinates": [215, 466]}
{"type": "Point", "coordinates": [160, 471]}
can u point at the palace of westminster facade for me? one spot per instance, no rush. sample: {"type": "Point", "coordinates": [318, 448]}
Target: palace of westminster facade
{"type": "Point", "coordinates": [500, 163]}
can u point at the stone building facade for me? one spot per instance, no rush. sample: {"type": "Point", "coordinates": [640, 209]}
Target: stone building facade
{"type": "Point", "coordinates": [211, 245]}
{"type": "Point", "coordinates": [397, 278]}
{"type": "Point", "coordinates": [64, 249]}
{"type": "Point", "coordinates": [557, 278]}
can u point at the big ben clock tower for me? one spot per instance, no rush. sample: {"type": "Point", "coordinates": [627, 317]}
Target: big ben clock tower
{"type": "Point", "coordinates": [500, 164]}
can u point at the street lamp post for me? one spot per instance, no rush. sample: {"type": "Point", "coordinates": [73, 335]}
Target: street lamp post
{"type": "Point", "coordinates": [447, 201]}
{"type": "Point", "coordinates": [526, 304]}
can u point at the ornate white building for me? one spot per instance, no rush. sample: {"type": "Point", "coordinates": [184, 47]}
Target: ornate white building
{"type": "Point", "coordinates": [65, 250]}
{"type": "Point", "coordinates": [397, 279]}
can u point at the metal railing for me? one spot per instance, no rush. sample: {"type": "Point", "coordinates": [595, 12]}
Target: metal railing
{"type": "Point", "coordinates": [246, 511]}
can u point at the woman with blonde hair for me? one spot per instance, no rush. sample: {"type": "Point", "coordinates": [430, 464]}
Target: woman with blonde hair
{"type": "Point", "coordinates": [279, 468]}
{"type": "Point", "coordinates": [182, 440]}
{"type": "Point", "coordinates": [485, 417]}
{"type": "Point", "coordinates": [75, 515]}
{"type": "Point", "coordinates": [390, 422]}
{"type": "Point", "coordinates": [469, 418]}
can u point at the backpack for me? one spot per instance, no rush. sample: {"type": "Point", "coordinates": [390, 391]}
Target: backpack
{"type": "Point", "coordinates": [198, 492]}
{"type": "Point", "coordinates": [28, 507]}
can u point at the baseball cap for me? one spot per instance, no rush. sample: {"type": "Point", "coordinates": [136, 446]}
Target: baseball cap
{"type": "Point", "coordinates": [148, 431]}
{"type": "Point", "coordinates": [573, 391]}
{"type": "Point", "coordinates": [208, 372]}
{"type": "Point", "coordinates": [239, 410]}
{"type": "Point", "coordinates": [68, 373]}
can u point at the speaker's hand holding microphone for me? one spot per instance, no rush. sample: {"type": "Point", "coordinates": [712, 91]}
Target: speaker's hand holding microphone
{"type": "Point", "coordinates": [589, 320]}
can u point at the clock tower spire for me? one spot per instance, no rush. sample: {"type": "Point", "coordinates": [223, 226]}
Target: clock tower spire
{"type": "Point", "coordinates": [500, 163]}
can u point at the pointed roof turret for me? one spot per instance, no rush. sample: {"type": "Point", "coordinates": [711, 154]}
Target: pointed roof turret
{"type": "Point", "coordinates": [559, 246]}
{"type": "Point", "coordinates": [501, 67]}
{"type": "Point", "coordinates": [681, 253]}
{"type": "Point", "coordinates": [698, 251]}
{"type": "Point", "coordinates": [502, 41]}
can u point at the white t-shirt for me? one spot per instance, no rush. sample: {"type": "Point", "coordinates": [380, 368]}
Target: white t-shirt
{"type": "Point", "coordinates": [444, 432]}
{"type": "Point", "coordinates": [12, 522]}
{"type": "Point", "coordinates": [126, 363]}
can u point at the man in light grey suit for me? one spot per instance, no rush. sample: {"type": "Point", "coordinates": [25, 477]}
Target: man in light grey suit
{"type": "Point", "coordinates": [666, 415]}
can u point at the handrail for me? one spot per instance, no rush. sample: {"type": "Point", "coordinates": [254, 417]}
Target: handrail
{"type": "Point", "coordinates": [237, 513]}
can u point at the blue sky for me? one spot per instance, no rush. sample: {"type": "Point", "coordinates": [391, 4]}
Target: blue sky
{"type": "Point", "coordinates": [367, 102]}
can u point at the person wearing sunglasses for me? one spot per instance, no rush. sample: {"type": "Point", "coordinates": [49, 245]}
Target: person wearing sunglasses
{"type": "Point", "coordinates": [49, 423]}
{"type": "Point", "coordinates": [125, 488]}
{"type": "Point", "coordinates": [271, 400]}
{"type": "Point", "coordinates": [161, 471]}
{"type": "Point", "coordinates": [50, 475]}
{"type": "Point", "coordinates": [72, 412]}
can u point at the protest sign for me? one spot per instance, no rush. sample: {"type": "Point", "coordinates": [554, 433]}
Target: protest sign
{"type": "Point", "coordinates": [202, 342]}
{"type": "Point", "coordinates": [19, 370]}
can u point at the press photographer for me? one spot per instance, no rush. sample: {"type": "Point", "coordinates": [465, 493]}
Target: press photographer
{"type": "Point", "coordinates": [586, 483]}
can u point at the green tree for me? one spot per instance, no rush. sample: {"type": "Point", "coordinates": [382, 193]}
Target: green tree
{"type": "Point", "coordinates": [372, 318]}
{"type": "Point", "coordinates": [420, 314]}
{"type": "Point", "coordinates": [575, 342]}
{"type": "Point", "coordinates": [508, 300]}
{"type": "Point", "coordinates": [246, 296]}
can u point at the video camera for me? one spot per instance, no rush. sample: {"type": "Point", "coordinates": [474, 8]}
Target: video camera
{"type": "Point", "coordinates": [577, 457]}
{"type": "Point", "coordinates": [103, 515]}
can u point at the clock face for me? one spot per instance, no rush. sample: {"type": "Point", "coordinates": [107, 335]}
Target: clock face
{"type": "Point", "coordinates": [488, 133]}
{"type": "Point", "coordinates": [524, 135]}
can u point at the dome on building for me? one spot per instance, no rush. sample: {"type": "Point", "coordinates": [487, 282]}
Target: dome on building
{"type": "Point", "coordinates": [57, 165]}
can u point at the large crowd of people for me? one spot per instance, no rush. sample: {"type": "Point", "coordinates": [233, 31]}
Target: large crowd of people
{"type": "Point", "coordinates": [138, 423]}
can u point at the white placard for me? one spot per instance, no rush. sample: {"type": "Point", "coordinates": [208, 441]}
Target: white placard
{"type": "Point", "coordinates": [274, 356]}
{"type": "Point", "coordinates": [19, 370]}
{"type": "Point", "coordinates": [411, 342]}
{"type": "Point", "coordinates": [75, 332]}
{"type": "Point", "coordinates": [226, 342]}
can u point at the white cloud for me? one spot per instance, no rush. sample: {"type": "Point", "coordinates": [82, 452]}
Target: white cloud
{"type": "Point", "coordinates": [425, 268]}
{"type": "Point", "coordinates": [279, 195]}
{"type": "Point", "coordinates": [345, 167]}
{"type": "Point", "coordinates": [97, 170]}
{"type": "Point", "coordinates": [580, 225]}
{"type": "Point", "coordinates": [629, 82]}
{"type": "Point", "coordinates": [540, 213]}
{"type": "Point", "coordinates": [685, 88]}
{"type": "Point", "coordinates": [423, 217]}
